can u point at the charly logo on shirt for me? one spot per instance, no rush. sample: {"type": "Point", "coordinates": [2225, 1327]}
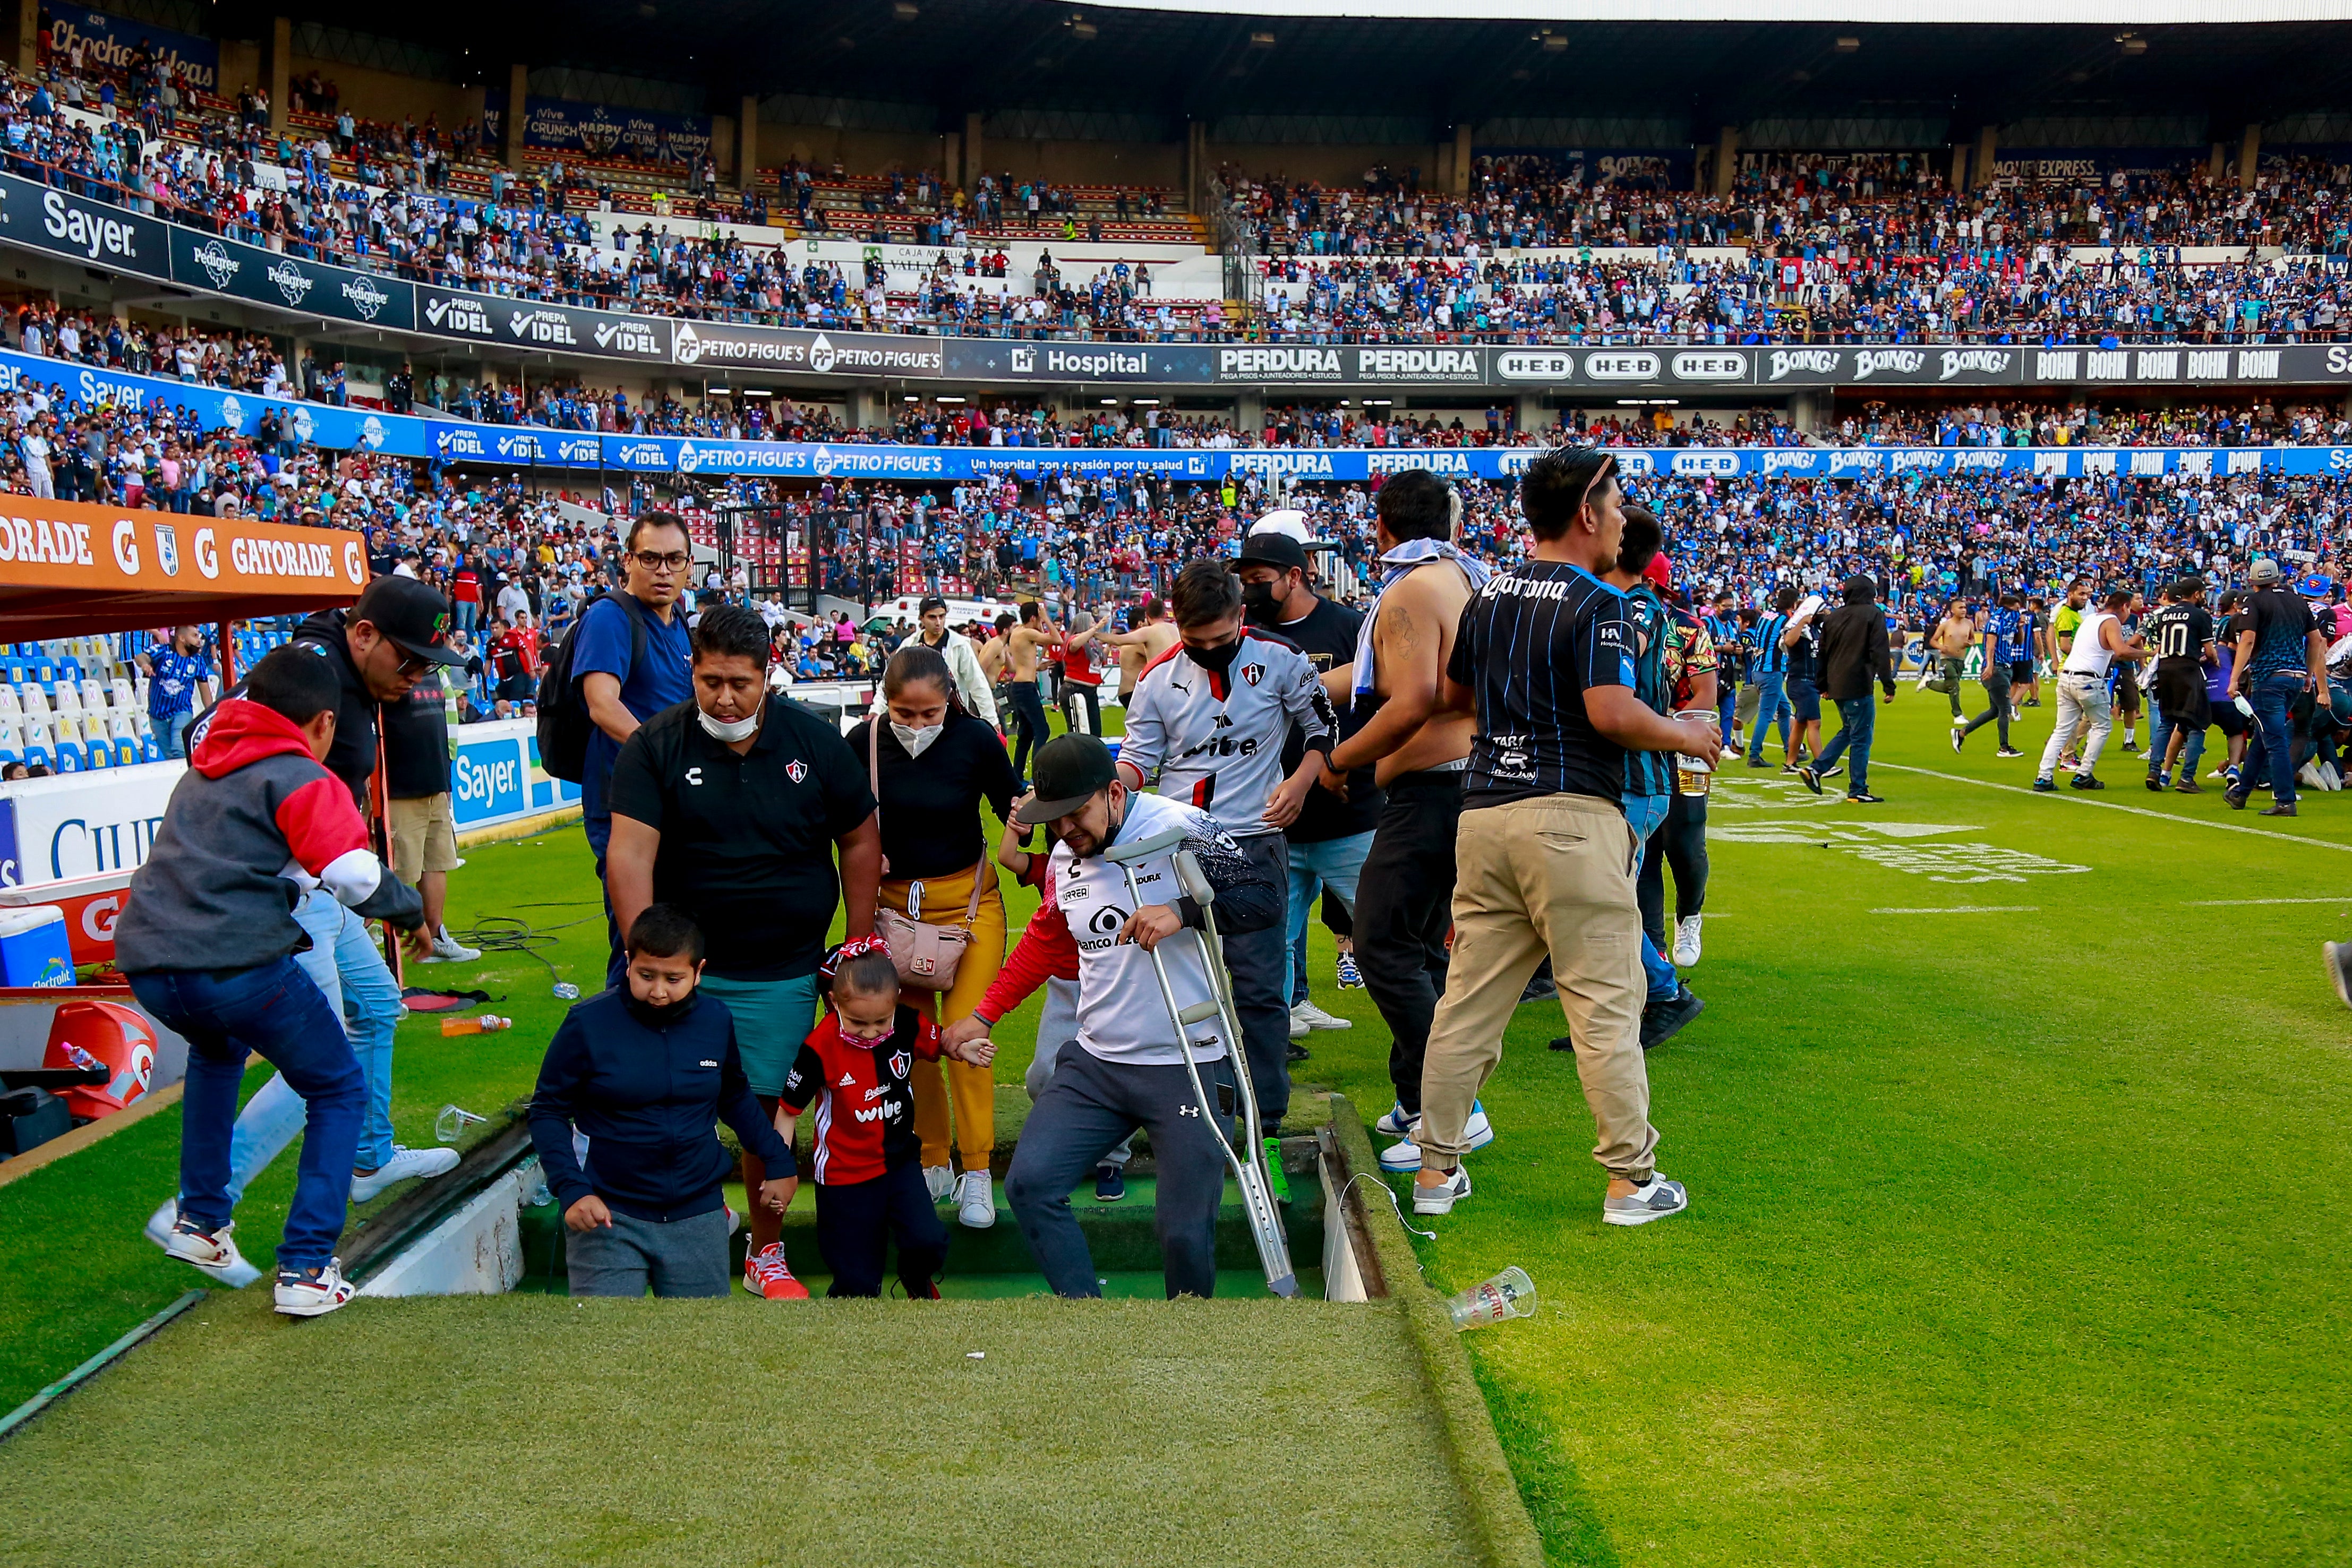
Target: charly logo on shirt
{"type": "Point", "coordinates": [795, 770]}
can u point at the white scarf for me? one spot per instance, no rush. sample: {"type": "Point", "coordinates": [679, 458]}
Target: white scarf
{"type": "Point", "coordinates": [1401, 561]}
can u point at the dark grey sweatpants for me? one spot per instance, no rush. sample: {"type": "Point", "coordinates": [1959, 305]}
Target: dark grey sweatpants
{"type": "Point", "coordinates": [677, 1257]}
{"type": "Point", "coordinates": [1085, 1109]}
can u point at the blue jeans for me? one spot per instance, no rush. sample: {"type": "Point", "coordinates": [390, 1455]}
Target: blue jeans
{"type": "Point", "coordinates": [1771, 703]}
{"type": "Point", "coordinates": [1334, 863]}
{"type": "Point", "coordinates": [2273, 737]}
{"type": "Point", "coordinates": [2159, 736]}
{"type": "Point", "coordinates": [1259, 963]}
{"type": "Point", "coordinates": [346, 967]}
{"type": "Point", "coordinates": [1726, 707]}
{"type": "Point", "coordinates": [1645, 814]}
{"type": "Point", "coordinates": [171, 733]}
{"type": "Point", "coordinates": [1861, 717]}
{"type": "Point", "coordinates": [274, 1009]}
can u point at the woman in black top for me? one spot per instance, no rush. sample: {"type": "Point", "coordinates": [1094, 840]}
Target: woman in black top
{"type": "Point", "coordinates": [933, 764]}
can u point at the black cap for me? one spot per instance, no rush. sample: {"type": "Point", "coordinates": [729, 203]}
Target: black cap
{"type": "Point", "coordinates": [1070, 769]}
{"type": "Point", "coordinates": [1274, 549]}
{"type": "Point", "coordinates": [412, 613]}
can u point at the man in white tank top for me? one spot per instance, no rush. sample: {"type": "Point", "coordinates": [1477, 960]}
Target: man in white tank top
{"type": "Point", "coordinates": [2082, 692]}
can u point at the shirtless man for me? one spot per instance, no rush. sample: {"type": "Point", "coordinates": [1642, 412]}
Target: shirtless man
{"type": "Point", "coordinates": [1949, 641]}
{"type": "Point", "coordinates": [1404, 894]}
{"type": "Point", "coordinates": [1153, 634]}
{"type": "Point", "coordinates": [1032, 633]}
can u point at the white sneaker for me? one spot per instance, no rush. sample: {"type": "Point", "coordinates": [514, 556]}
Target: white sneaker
{"type": "Point", "coordinates": [1687, 941]}
{"type": "Point", "coordinates": [405, 1163]}
{"type": "Point", "coordinates": [1959, 723]}
{"type": "Point", "coordinates": [941, 1182]}
{"type": "Point", "coordinates": [1300, 1028]}
{"type": "Point", "coordinates": [1403, 1157]}
{"type": "Point", "coordinates": [1476, 1132]}
{"type": "Point", "coordinates": [1441, 1199]}
{"type": "Point", "coordinates": [1314, 1018]}
{"type": "Point", "coordinates": [306, 1295]}
{"type": "Point", "coordinates": [1395, 1123]}
{"type": "Point", "coordinates": [447, 949]}
{"type": "Point", "coordinates": [234, 1271]}
{"type": "Point", "coordinates": [1656, 1200]}
{"type": "Point", "coordinates": [975, 1200]}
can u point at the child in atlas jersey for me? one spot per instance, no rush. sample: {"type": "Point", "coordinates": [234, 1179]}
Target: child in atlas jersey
{"type": "Point", "coordinates": [868, 1159]}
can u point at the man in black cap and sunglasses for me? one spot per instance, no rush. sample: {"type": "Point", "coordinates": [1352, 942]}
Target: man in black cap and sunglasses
{"type": "Point", "coordinates": [379, 649]}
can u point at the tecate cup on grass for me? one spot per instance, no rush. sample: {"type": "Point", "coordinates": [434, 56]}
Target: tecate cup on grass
{"type": "Point", "coordinates": [1509, 1294]}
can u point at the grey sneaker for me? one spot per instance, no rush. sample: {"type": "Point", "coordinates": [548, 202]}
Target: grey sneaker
{"type": "Point", "coordinates": [1441, 1198]}
{"type": "Point", "coordinates": [1656, 1200]}
{"type": "Point", "coordinates": [2339, 968]}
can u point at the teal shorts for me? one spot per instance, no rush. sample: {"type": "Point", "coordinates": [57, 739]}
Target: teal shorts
{"type": "Point", "coordinates": [772, 1020]}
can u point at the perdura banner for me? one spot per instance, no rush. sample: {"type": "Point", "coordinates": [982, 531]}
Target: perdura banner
{"type": "Point", "coordinates": [290, 282]}
{"type": "Point", "coordinates": [97, 234]}
{"type": "Point", "coordinates": [532, 324]}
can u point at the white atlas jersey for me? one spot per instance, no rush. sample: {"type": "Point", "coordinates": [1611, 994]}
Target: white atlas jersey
{"type": "Point", "coordinates": [1122, 1017]}
{"type": "Point", "coordinates": [1215, 741]}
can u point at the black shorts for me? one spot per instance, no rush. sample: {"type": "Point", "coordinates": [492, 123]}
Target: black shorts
{"type": "Point", "coordinates": [1805, 701]}
{"type": "Point", "coordinates": [2126, 687]}
{"type": "Point", "coordinates": [2181, 698]}
{"type": "Point", "coordinates": [2020, 672]}
{"type": "Point", "coordinates": [2229, 721]}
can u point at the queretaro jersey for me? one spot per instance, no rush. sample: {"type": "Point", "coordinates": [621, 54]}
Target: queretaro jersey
{"type": "Point", "coordinates": [1215, 741]}
{"type": "Point", "coordinates": [1122, 1015]}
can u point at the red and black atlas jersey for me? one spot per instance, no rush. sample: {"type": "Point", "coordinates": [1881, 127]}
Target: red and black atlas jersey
{"type": "Point", "coordinates": [864, 1106]}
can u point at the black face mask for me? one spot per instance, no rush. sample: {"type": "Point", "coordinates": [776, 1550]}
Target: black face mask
{"type": "Point", "coordinates": [1260, 605]}
{"type": "Point", "coordinates": [653, 1017]}
{"type": "Point", "coordinates": [1217, 659]}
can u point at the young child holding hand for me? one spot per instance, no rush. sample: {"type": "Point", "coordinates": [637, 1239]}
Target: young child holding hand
{"type": "Point", "coordinates": [644, 1070]}
{"type": "Point", "coordinates": [867, 1164]}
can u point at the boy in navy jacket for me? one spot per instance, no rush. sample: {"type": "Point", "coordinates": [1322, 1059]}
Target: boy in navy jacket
{"type": "Point", "coordinates": [643, 1071]}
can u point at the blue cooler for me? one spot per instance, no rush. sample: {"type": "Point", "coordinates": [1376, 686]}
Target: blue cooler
{"type": "Point", "coordinates": [34, 950]}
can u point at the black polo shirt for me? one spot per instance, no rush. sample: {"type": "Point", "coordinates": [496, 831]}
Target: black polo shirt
{"type": "Point", "coordinates": [747, 842]}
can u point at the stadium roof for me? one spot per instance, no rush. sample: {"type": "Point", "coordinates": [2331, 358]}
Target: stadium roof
{"type": "Point", "coordinates": [1141, 72]}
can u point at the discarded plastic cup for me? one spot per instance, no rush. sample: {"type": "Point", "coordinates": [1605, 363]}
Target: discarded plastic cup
{"type": "Point", "coordinates": [1509, 1294]}
{"type": "Point", "coordinates": [451, 1124]}
{"type": "Point", "coordinates": [566, 991]}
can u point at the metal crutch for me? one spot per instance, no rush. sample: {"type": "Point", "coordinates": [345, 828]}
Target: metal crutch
{"type": "Point", "coordinates": [1248, 1165]}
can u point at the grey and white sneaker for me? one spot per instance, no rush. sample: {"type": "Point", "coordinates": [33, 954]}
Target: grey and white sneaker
{"type": "Point", "coordinates": [1655, 1200]}
{"type": "Point", "coordinates": [1395, 1124]}
{"type": "Point", "coordinates": [1402, 1157]}
{"type": "Point", "coordinates": [975, 1200]}
{"type": "Point", "coordinates": [447, 949]}
{"type": "Point", "coordinates": [1441, 1199]}
{"type": "Point", "coordinates": [1687, 941]}
{"type": "Point", "coordinates": [1477, 1133]}
{"type": "Point", "coordinates": [939, 1181]}
{"type": "Point", "coordinates": [404, 1162]}
{"type": "Point", "coordinates": [232, 1270]}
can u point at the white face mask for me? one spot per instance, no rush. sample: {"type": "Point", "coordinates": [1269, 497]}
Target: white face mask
{"type": "Point", "coordinates": [917, 741]}
{"type": "Point", "coordinates": [728, 730]}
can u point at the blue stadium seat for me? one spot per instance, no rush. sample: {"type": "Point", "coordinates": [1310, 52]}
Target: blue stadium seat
{"type": "Point", "coordinates": [36, 756]}
{"type": "Point", "coordinates": [150, 749]}
{"type": "Point", "coordinates": [96, 757]}
{"type": "Point", "coordinates": [127, 751]}
{"type": "Point", "coordinates": [68, 758]}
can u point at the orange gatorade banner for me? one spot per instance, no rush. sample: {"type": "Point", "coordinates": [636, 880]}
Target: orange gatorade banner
{"type": "Point", "coordinates": [69, 567]}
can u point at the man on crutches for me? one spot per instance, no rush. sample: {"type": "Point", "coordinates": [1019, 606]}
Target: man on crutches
{"type": "Point", "coordinates": [1107, 914]}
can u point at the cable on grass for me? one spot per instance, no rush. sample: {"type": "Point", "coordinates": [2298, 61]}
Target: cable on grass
{"type": "Point", "coordinates": [513, 934]}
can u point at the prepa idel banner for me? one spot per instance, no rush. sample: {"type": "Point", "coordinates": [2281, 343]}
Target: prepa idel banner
{"type": "Point", "coordinates": [534, 324]}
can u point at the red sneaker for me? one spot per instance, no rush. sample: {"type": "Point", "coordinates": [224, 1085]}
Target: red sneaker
{"type": "Point", "coordinates": [765, 1273]}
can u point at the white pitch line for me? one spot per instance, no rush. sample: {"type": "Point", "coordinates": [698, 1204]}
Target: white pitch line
{"type": "Point", "coordinates": [2079, 798]}
{"type": "Point", "coordinates": [2243, 902]}
{"type": "Point", "coordinates": [1970, 909]}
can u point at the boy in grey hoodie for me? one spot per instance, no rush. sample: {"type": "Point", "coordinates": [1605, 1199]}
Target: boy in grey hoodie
{"type": "Point", "coordinates": [208, 940]}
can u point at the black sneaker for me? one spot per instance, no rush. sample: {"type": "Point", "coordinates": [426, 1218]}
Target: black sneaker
{"type": "Point", "coordinates": [2085, 781]}
{"type": "Point", "coordinates": [2236, 799]}
{"type": "Point", "coordinates": [1567, 1042]}
{"type": "Point", "coordinates": [2008, 751]}
{"type": "Point", "coordinates": [1110, 1184]}
{"type": "Point", "coordinates": [1661, 1021]}
{"type": "Point", "coordinates": [1543, 988]}
{"type": "Point", "coordinates": [2276, 808]}
{"type": "Point", "coordinates": [1865, 798]}
{"type": "Point", "coordinates": [2042, 785]}
{"type": "Point", "coordinates": [2155, 785]}
{"type": "Point", "coordinates": [1293, 1052]}
{"type": "Point", "coordinates": [1833, 770]}
{"type": "Point", "coordinates": [1957, 736]}
{"type": "Point", "coordinates": [1810, 779]}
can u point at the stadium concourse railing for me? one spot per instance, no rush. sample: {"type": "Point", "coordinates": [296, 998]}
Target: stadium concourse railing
{"type": "Point", "coordinates": [72, 214]}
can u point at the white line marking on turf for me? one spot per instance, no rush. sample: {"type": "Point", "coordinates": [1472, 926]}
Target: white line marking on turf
{"type": "Point", "coordinates": [1970, 909]}
{"type": "Point", "coordinates": [2244, 903]}
{"type": "Point", "coordinates": [2080, 799]}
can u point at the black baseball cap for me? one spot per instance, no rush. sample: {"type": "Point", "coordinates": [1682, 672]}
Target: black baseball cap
{"type": "Point", "coordinates": [1274, 549]}
{"type": "Point", "coordinates": [1070, 769]}
{"type": "Point", "coordinates": [412, 613]}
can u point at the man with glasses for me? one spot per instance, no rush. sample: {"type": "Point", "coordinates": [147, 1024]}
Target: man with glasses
{"type": "Point", "coordinates": [633, 659]}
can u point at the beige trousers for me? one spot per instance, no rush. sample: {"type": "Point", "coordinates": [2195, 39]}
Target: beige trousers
{"type": "Point", "coordinates": [1554, 874]}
